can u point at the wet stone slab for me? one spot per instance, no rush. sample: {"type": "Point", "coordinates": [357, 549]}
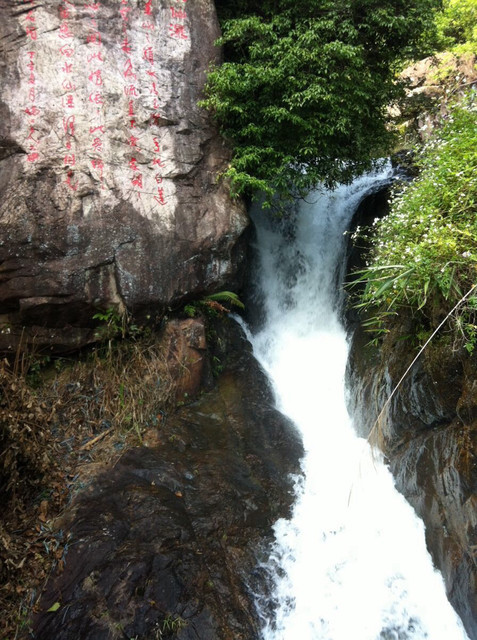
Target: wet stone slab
{"type": "Point", "coordinates": [165, 544]}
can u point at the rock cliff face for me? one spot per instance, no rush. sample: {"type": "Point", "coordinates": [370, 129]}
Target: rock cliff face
{"type": "Point", "coordinates": [108, 192]}
{"type": "Point", "coordinates": [429, 436]}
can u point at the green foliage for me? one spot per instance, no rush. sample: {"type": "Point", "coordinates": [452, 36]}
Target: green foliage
{"type": "Point", "coordinates": [172, 624]}
{"type": "Point", "coordinates": [457, 26]}
{"type": "Point", "coordinates": [115, 324]}
{"type": "Point", "coordinates": [112, 323]}
{"type": "Point", "coordinates": [213, 304]}
{"type": "Point", "coordinates": [424, 253]}
{"type": "Point", "coordinates": [225, 297]}
{"type": "Point", "coordinates": [305, 86]}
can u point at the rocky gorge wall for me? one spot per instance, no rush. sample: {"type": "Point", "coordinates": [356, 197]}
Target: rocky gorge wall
{"type": "Point", "coordinates": [428, 434]}
{"type": "Point", "coordinates": [108, 168]}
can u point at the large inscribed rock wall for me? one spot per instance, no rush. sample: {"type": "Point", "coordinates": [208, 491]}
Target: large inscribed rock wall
{"type": "Point", "coordinates": [108, 191]}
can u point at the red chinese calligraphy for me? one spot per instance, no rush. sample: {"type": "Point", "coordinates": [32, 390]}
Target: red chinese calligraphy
{"type": "Point", "coordinates": [32, 110]}
{"type": "Point", "coordinates": [65, 13]}
{"type": "Point", "coordinates": [95, 56]}
{"type": "Point", "coordinates": [94, 38]}
{"type": "Point", "coordinates": [99, 128]}
{"type": "Point", "coordinates": [66, 67]}
{"type": "Point", "coordinates": [178, 14]}
{"type": "Point", "coordinates": [31, 134]}
{"type": "Point", "coordinates": [177, 31]}
{"type": "Point", "coordinates": [126, 46]}
{"type": "Point", "coordinates": [128, 70]}
{"type": "Point", "coordinates": [95, 60]}
{"type": "Point", "coordinates": [97, 164]}
{"type": "Point", "coordinates": [69, 125]}
{"type": "Point", "coordinates": [69, 101]}
{"type": "Point", "coordinates": [65, 33]}
{"type": "Point", "coordinates": [97, 145]}
{"type": "Point", "coordinates": [125, 13]}
{"type": "Point", "coordinates": [137, 180]}
{"type": "Point", "coordinates": [32, 33]}
{"type": "Point", "coordinates": [160, 196]}
{"type": "Point", "coordinates": [130, 90]}
{"type": "Point", "coordinates": [68, 85]}
{"type": "Point", "coordinates": [69, 179]}
{"type": "Point", "coordinates": [96, 97]}
{"type": "Point", "coordinates": [96, 77]}
{"type": "Point", "coordinates": [148, 55]}
{"type": "Point", "coordinates": [67, 51]}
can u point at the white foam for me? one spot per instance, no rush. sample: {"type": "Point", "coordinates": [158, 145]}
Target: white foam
{"type": "Point", "coordinates": [352, 562]}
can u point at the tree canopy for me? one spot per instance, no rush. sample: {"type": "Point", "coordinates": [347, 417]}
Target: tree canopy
{"type": "Point", "coordinates": [457, 26]}
{"type": "Point", "coordinates": [305, 87]}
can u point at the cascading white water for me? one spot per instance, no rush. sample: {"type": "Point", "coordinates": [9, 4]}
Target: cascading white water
{"type": "Point", "coordinates": [351, 563]}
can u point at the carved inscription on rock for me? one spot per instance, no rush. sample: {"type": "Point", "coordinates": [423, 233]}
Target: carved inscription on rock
{"type": "Point", "coordinates": [108, 168]}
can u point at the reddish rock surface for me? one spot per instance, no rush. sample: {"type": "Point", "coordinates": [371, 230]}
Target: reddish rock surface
{"type": "Point", "coordinates": [186, 349]}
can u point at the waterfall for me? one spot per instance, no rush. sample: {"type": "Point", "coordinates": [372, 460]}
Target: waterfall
{"type": "Point", "coordinates": [351, 563]}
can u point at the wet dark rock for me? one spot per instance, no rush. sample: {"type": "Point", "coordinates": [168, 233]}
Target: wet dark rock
{"type": "Point", "coordinates": [429, 435]}
{"type": "Point", "coordinates": [374, 206]}
{"type": "Point", "coordinates": [427, 432]}
{"type": "Point", "coordinates": [167, 541]}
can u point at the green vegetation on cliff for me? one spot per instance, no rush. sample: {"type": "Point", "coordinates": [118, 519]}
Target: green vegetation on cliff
{"type": "Point", "coordinates": [424, 255]}
{"type": "Point", "coordinates": [304, 90]}
{"type": "Point", "coordinates": [423, 258]}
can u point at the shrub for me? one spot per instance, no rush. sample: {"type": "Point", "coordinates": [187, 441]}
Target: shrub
{"type": "Point", "coordinates": [424, 253]}
{"type": "Point", "coordinates": [304, 91]}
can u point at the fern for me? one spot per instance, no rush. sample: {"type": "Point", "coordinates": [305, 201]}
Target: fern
{"type": "Point", "coordinates": [226, 296]}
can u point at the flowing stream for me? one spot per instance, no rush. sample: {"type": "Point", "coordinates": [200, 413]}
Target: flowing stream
{"type": "Point", "coordinates": [351, 563]}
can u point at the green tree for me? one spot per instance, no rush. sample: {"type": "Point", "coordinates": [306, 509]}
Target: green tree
{"type": "Point", "coordinates": [304, 89]}
{"type": "Point", "coordinates": [457, 26]}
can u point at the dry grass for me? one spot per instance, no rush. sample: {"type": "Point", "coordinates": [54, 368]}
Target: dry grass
{"type": "Point", "coordinates": [124, 388]}
{"type": "Point", "coordinates": [60, 424]}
